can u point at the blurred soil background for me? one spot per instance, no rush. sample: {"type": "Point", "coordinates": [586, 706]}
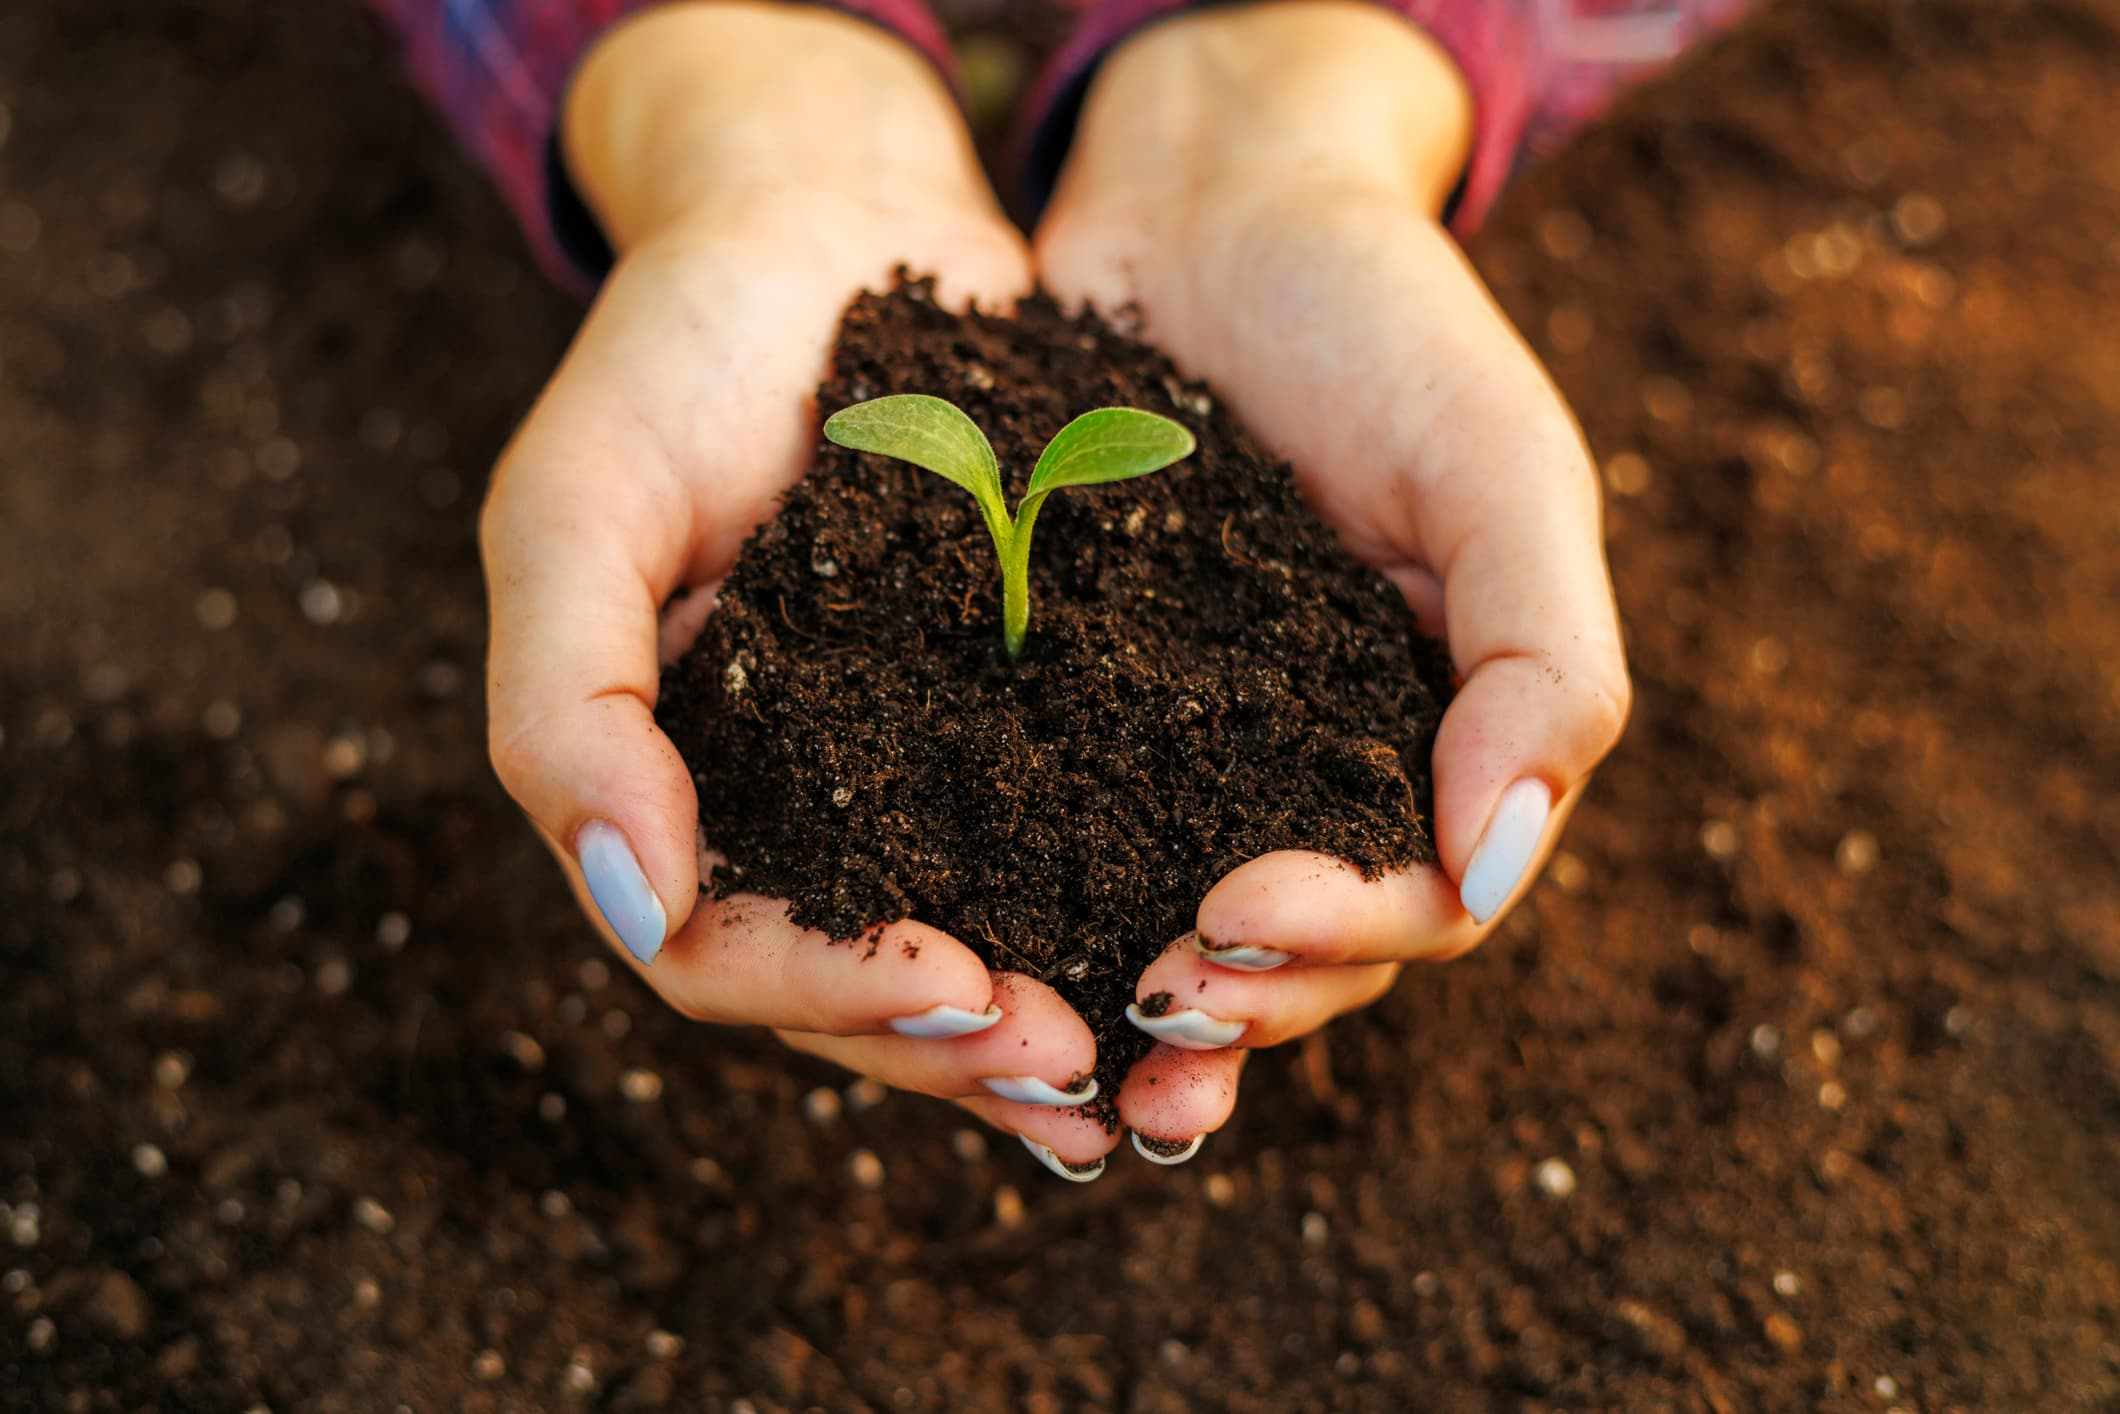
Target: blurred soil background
{"type": "Point", "coordinates": [1795, 1085]}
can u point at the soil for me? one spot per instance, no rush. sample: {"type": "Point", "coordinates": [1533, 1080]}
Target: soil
{"type": "Point", "coordinates": [1208, 677]}
{"type": "Point", "coordinates": [1793, 1085]}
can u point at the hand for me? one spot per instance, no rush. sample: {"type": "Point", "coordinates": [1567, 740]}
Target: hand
{"type": "Point", "coordinates": [1263, 183]}
{"type": "Point", "coordinates": [755, 168]}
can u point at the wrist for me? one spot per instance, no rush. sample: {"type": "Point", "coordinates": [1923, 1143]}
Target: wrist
{"type": "Point", "coordinates": [705, 111]}
{"type": "Point", "coordinates": [1259, 97]}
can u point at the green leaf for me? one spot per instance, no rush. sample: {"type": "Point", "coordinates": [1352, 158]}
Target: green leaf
{"type": "Point", "coordinates": [1110, 444]}
{"type": "Point", "coordinates": [931, 434]}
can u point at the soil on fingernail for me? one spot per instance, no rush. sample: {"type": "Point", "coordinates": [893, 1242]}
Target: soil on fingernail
{"type": "Point", "coordinates": [1156, 1004]}
{"type": "Point", "coordinates": [1162, 1148]}
{"type": "Point", "coordinates": [1209, 676]}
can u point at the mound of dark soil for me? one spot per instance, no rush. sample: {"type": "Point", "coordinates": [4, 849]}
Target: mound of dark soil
{"type": "Point", "coordinates": [1208, 677]}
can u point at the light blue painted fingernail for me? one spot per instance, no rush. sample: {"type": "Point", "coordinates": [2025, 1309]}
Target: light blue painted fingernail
{"type": "Point", "coordinates": [1073, 1173]}
{"type": "Point", "coordinates": [1242, 957]}
{"type": "Point", "coordinates": [620, 889]}
{"type": "Point", "coordinates": [1506, 849]}
{"type": "Point", "coordinates": [1030, 1090]}
{"type": "Point", "coordinates": [942, 1023]}
{"type": "Point", "coordinates": [1188, 1030]}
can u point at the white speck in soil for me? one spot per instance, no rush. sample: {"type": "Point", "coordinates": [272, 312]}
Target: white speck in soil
{"type": "Point", "coordinates": [1832, 1095]}
{"type": "Point", "coordinates": [1859, 1024]}
{"type": "Point", "coordinates": [665, 1345]}
{"type": "Point", "coordinates": [1766, 1041]}
{"type": "Point", "coordinates": [554, 1204]}
{"type": "Point", "coordinates": [221, 719]}
{"type": "Point", "coordinates": [1886, 1387]}
{"type": "Point", "coordinates": [523, 1050]}
{"type": "Point", "coordinates": [1825, 1046]}
{"type": "Point", "coordinates": [321, 602]}
{"type": "Point", "coordinates": [1787, 1284]}
{"type": "Point", "coordinates": [25, 1225]}
{"type": "Point", "coordinates": [821, 1106]}
{"type": "Point", "coordinates": [866, 1094]}
{"type": "Point", "coordinates": [1569, 874]}
{"type": "Point", "coordinates": [488, 1366]}
{"type": "Point", "coordinates": [1221, 1189]}
{"type": "Point", "coordinates": [1857, 853]}
{"type": "Point", "coordinates": [149, 1161]}
{"type": "Point", "coordinates": [1315, 1230]}
{"type": "Point", "coordinates": [1720, 839]}
{"type": "Point", "coordinates": [1554, 1178]}
{"type": "Point", "coordinates": [393, 931]}
{"type": "Point", "coordinates": [734, 679]}
{"type": "Point", "coordinates": [215, 608]}
{"type": "Point", "coordinates": [345, 756]}
{"type": "Point", "coordinates": [865, 1169]}
{"type": "Point", "coordinates": [172, 1069]}
{"type": "Point", "coordinates": [373, 1216]}
{"type": "Point", "coordinates": [969, 1145]}
{"type": "Point", "coordinates": [1426, 1283]}
{"type": "Point", "coordinates": [843, 796]}
{"type": "Point", "coordinates": [578, 1378]}
{"type": "Point", "coordinates": [1918, 218]}
{"type": "Point", "coordinates": [640, 1086]}
{"type": "Point", "coordinates": [1958, 1022]}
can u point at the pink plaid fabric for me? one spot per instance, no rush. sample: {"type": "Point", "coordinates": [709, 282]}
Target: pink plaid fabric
{"type": "Point", "coordinates": [1537, 68]}
{"type": "Point", "coordinates": [497, 70]}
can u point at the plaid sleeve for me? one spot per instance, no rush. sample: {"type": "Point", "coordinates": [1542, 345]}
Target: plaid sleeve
{"type": "Point", "coordinates": [497, 70]}
{"type": "Point", "coordinates": [1538, 69]}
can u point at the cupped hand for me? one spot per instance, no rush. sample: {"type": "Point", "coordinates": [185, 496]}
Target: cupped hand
{"type": "Point", "coordinates": [1263, 184]}
{"type": "Point", "coordinates": [755, 169]}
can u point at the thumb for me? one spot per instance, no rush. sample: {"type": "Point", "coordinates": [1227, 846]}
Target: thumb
{"type": "Point", "coordinates": [574, 567]}
{"type": "Point", "coordinates": [1516, 544]}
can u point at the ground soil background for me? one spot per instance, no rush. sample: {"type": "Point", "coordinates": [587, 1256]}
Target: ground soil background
{"type": "Point", "coordinates": [1794, 1085]}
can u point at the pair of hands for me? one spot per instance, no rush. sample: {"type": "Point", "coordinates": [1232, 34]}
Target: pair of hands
{"type": "Point", "coordinates": [1263, 183]}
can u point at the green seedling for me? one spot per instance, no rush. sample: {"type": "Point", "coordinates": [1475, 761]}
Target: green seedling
{"type": "Point", "coordinates": [1110, 444]}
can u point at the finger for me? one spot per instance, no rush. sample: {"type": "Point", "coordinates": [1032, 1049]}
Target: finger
{"type": "Point", "coordinates": [1039, 1054]}
{"type": "Point", "coordinates": [1509, 525]}
{"type": "Point", "coordinates": [739, 961]}
{"type": "Point", "coordinates": [1184, 1000]}
{"type": "Point", "coordinates": [1298, 906]}
{"type": "Point", "coordinates": [1070, 1143]}
{"type": "Point", "coordinates": [575, 565]}
{"type": "Point", "coordinates": [1173, 1099]}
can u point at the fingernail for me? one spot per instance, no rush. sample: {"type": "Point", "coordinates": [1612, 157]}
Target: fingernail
{"type": "Point", "coordinates": [1030, 1090]}
{"type": "Point", "coordinates": [1505, 851]}
{"type": "Point", "coordinates": [1188, 1030]}
{"type": "Point", "coordinates": [1241, 958]}
{"type": "Point", "coordinates": [1166, 1151]}
{"type": "Point", "coordinates": [939, 1023]}
{"type": "Point", "coordinates": [1073, 1173]}
{"type": "Point", "coordinates": [620, 889]}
